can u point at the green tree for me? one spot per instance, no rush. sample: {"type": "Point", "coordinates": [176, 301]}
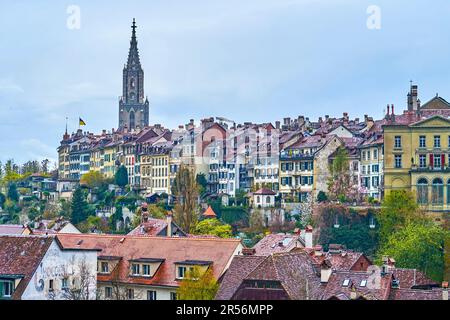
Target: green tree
{"type": "Point", "coordinates": [399, 208]}
{"type": "Point", "coordinates": [339, 183]}
{"type": "Point", "coordinates": [79, 208]}
{"type": "Point", "coordinates": [121, 177]}
{"type": "Point", "coordinates": [185, 189]}
{"type": "Point", "coordinates": [201, 182]}
{"type": "Point", "coordinates": [2, 200]}
{"type": "Point", "coordinates": [322, 197]}
{"type": "Point", "coordinates": [418, 246]}
{"type": "Point", "coordinates": [13, 195]}
{"type": "Point", "coordinates": [241, 197]}
{"type": "Point", "coordinates": [93, 180]}
{"type": "Point", "coordinates": [213, 227]}
{"type": "Point", "coordinates": [198, 285]}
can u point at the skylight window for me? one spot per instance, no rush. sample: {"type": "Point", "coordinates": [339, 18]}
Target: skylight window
{"type": "Point", "coordinates": [363, 283]}
{"type": "Point", "coordinates": [346, 283]}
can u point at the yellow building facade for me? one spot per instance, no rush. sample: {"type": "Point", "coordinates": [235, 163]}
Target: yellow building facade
{"type": "Point", "coordinates": [416, 158]}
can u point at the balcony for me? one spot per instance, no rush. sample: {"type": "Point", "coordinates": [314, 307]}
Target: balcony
{"type": "Point", "coordinates": [444, 169]}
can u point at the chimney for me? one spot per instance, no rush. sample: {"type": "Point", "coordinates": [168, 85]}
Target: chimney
{"type": "Point", "coordinates": [388, 110]}
{"type": "Point", "coordinates": [169, 223]}
{"type": "Point", "coordinates": [308, 237]}
{"type": "Point", "coordinates": [445, 291]}
{"type": "Point", "coordinates": [325, 271]}
{"type": "Point", "coordinates": [392, 109]}
{"type": "Point", "coordinates": [318, 250]}
{"type": "Point", "coordinates": [353, 293]}
{"type": "Point", "coordinates": [277, 124]}
{"type": "Point", "coordinates": [248, 251]}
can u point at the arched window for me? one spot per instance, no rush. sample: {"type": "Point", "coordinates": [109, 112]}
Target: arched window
{"type": "Point", "coordinates": [258, 199]}
{"type": "Point", "coordinates": [268, 199]}
{"type": "Point", "coordinates": [437, 193]}
{"type": "Point", "coordinates": [422, 191]}
{"type": "Point", "coordinates": [448, 191]}
{"type": "Point", "coordinates": [132, 120]}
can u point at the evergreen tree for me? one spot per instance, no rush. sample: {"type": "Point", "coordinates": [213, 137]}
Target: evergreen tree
{"type": "Point", "coordinates": [13, 195]}
{"type": "Point", "coordinates": [79, 207]}
{"type": "Point", "coordinates": [185, 189]}
{"type": "Point", "coordinates": [121, 177]}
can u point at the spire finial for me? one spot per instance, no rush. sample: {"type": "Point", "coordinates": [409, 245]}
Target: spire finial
{"type": "Point", "coordinates": [134, 27]}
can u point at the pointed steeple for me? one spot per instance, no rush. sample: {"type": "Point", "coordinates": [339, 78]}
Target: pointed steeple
{"type": "Point", "coordinates": [133, 55]}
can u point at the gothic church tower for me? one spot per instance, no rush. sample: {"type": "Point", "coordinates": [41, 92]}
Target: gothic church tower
{"type": "Point", "coordinates": [133, 109]}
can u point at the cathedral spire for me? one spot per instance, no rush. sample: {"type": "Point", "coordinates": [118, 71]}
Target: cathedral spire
{"type": "Point", "coordinates": [133, 55]}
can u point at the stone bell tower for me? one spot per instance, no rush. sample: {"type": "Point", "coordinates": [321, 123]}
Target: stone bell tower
{"type": "Point", "coordinates": [133, 109]}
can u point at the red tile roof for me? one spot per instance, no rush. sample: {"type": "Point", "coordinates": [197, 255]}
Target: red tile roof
{"type": "Point", "coordinates": [13, 229]}
{"type": "Point", "coordinates": [276, 242]}
{"type": "Point", "coordinates": [264, 192]}
{"type": "Point", "coordinates": [239, 269]}
{"type": "Point", "coordinates": [409, 278]}
{"type": "Point", "coordinates": [209, 213]}
{"type": "Point", "coordinates": [21, 255]}
{"type": "Point", "coordinates": [172, 249]}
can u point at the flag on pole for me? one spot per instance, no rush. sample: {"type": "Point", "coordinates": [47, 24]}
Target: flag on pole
{"type": "Point", "coordinates": [82, 123]}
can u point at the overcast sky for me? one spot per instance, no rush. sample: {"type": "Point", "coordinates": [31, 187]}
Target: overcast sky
{"type": "Point", "coordinates": [248, 60]}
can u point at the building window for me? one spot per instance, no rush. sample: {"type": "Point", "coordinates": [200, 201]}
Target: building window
{"type": "Point", "coordinates": [398, 142]}
{"type": "Point", "coordinates": [422, 191]}
{"type": "Point", "coordinates": [181, 272]}
{"type": "Point", "coordinates": [422, 142]}
{"type": "Point", "coordinates": [375, 154]}
{"type": "Point", "coordinates": [50, 285]}
{"type": "Point", "coordinates": [375, 182]}
{"type": "Point", "coordinates": [146, 270]}
{"type": "Point", "coordinates": [422, 161]}
{"type": "Point", "coordinates": [64, 283]}
{"type": "Point", "coordinates": [173, 296]}
{"type": "Point", "coordinates": [437, 161]}
{"type": "Point", "coordinates": [135, 269]}
{"type": "Point", "coordinates": [398, 161]}
{"type": "Point", "coordinates": [437, 141]}
{"type": "Point", "coordinates": [130, 294]}
{"type": "Point", "coordinates": [104, 267]}
{"type": "Point", "coordinates": [437, 193]}
{"type": "Point", "coordinates": [7, 289]}
{"type": "Point", "coordinates": [108, 292]}
{"type": "Point", "coordinates": [151, 295]}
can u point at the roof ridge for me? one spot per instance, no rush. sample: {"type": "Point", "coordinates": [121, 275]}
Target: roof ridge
{"type": "Point", "coordinates": [147, 237]}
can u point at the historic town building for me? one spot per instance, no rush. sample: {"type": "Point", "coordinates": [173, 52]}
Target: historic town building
{"type": "Point", "coordinates": [133, 106]}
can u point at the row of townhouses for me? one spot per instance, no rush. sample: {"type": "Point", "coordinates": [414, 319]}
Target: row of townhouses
{"type": "Point", "coordinates": [408, 151]}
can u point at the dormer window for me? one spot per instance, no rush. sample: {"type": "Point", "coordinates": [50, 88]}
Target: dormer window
{"type": "Point", "coordinates": [146, 270]}
{"type": "Point", "coordinates": [104, 267]}
{"type": "Point", "coordinates": [135, 269]}
{"type": "Point", "coordinates": [346, 283]}
{"type": "Point", "coordinates": [363, 283]}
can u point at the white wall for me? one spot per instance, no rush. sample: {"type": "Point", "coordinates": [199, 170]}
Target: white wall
{"type": "Point", "coordinates": [56, 265]}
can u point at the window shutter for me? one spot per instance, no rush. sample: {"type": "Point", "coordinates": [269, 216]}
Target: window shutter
{"type": "Point", "coordinates": [431, 160]}
{"type": "Point", "coordinates": [442, 160]}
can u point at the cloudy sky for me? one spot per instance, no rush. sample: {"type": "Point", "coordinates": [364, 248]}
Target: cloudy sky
{"type": "Point", "coordinates": [248, 60]}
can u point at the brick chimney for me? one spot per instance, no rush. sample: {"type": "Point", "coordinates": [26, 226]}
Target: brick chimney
{"type": "Point", "coordinates": [248, 251]}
